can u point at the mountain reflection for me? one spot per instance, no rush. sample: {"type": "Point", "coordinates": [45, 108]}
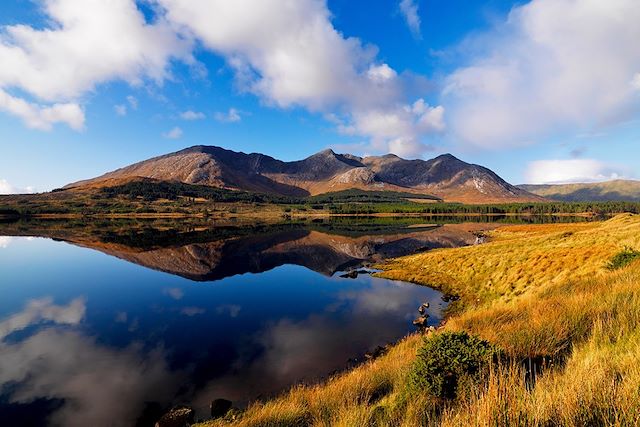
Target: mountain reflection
{"type": "Point", "coordinates": [213, 253]}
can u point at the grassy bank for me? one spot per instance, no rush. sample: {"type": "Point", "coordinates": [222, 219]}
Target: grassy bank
{"type": "Point", "coordinates": [567, 292]}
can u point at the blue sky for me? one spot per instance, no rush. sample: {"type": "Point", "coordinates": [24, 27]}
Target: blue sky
{"type": "Point", "coordinates": [540, 91]}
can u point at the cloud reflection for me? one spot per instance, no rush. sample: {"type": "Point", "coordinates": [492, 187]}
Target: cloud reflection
{"type": "Point", "coordinates": [99, 385]}
{"type": "Point", "coordinates": [5, 241]}
{"type": "Point", "coordinates": [43, 310]}
{"type": "Point", "coordinates": [304, 350]}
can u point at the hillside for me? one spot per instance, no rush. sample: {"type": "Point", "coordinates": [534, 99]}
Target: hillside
{"type": "Point", "coordinates": [444, 177]}
{"type": "Point", "coordinates": [618, 190]}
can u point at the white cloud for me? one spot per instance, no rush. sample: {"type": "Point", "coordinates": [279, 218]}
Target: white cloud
{"type": "Point", "coordinates": [554, 65]}
{"type": "Point", "coordinates": [570, 171]}
{"type": "Point", "coordinates": [192, 115]}
{"type": "Point", "coordinates": [409, 10]}
{"type": "Point", "coordinates": [120, 109]}
{"type": "Point", "coordinates": [7, 188]}
{"type": "Point", "coordinates": [381, 73]}
{"type": "Point", "coordinates": [133, 102]}
{"type": "Point", "coordinates": [42, 117]}
{"type": "Point", "coordinates": [397, 129]}
{"type": "Point", "coordinates": [286, 52]}
{"type": "Point", "coordinates": [86, 43]}
{"type": "Point", "coordinates": [175, 133]}
{"type": "Point", "coordinates": [232, 116]}
{"type": "Point", "coordinates": [290, 54]}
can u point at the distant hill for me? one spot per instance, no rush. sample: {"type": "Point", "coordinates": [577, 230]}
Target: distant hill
{"type": "Point", "coordinates": [444, 177]}
{"type": "Point", "coordinates": [618, 190]}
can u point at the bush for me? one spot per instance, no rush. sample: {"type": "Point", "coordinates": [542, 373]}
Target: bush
{"type": "Point", "coordinates": [447, 358]}
{"type": "Point", "coordinates": [623, 258]}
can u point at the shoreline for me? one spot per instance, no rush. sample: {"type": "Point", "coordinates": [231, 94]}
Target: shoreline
{"type": "Point", "coordinates": [286, 216]}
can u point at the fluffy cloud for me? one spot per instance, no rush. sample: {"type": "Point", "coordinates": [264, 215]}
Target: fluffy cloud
{"type": "Point", "coordinates": [554, 65]}
{"type": "Point", "coordinates": [232, 116]}
{"type": "Point", "coordinates": [87, 43]}
{"type": "Point", "coordinates": [192, 115]}
{"type": "Point", "coordinates": [397, 129]}
{"type": "Point", "coordinates": [41, 117]}
{"type": "Point", "coordinates": [286, 52]}
{"type": "Point", "coordinates": [175, 133]}
{"type": "Point", "coordinates": [289, 54]}
{"type": "Point", "coordinates": [7, 188]}
{"type": "Point", "coordinates": [568, 171]}
{"type": "Point", "coordinates": [409, 10]}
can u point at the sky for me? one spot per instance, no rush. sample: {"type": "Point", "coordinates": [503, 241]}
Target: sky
{"type": "Point", "coordinates": [545, 91]}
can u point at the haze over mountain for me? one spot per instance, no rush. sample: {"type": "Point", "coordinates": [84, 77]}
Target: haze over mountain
{"type": "Point", "coordinates": [617, 190]}
{"type": "Point", "coordinates": [444, 176]}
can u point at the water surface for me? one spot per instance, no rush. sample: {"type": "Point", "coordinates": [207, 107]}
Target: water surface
{"type": "Point", "coordinates": [112, 323]}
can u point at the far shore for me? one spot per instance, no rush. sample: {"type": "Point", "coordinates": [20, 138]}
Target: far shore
{"type": "Point", "coordinates": [285, 216]}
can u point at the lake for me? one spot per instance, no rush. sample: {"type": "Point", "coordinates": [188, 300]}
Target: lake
{"type": "Point", "coordinates": [113, 322]}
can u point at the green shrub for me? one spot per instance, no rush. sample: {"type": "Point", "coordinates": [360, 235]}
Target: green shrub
{"type": "Point", "coordinates": [623, 258]}
{"type": "Point", "coordinates": [445, 359]}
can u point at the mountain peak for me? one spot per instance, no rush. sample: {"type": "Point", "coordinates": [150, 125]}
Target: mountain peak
{"type": "Point", "coordinates": [444, 176]}
{"type": "Point", "coordinates": [447, 156]}
{"type": "Point", "coordinates": [325, 152]}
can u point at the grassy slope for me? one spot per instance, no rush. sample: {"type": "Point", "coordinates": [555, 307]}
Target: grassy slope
{"type": "Point", "coordinates": [597, 191]}
{"type": "Point", "coordinates": [534, 290]}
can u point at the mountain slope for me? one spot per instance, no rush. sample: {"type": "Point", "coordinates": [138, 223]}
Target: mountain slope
{"type": "Point", "coordinates": [444, 176]}
{"type": "Point", "coordinates": [618, 190]}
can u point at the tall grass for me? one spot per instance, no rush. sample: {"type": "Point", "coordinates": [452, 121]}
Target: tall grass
{"type": "Point", "coordinates": [532, 291]}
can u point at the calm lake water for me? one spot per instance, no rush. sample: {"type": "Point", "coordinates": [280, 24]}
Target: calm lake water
{"type": "Point", "coordinates": [111, 323]}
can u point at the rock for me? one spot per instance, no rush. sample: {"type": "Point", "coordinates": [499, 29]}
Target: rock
{"type": "Point", "coordinates": [421, 321]}
{"type": "Point", "coordinates": [178, 416]}
{"type": "Point", "coordinates": [220, 407]}
{"type": "Point", "coordinates": [353, 274]}
{"type": "Point", "coordinates": [377, 352]}
{"type": "Point", "coordinates": [423, 308]}
{"type": "Point", "coordinates": [450, 298]}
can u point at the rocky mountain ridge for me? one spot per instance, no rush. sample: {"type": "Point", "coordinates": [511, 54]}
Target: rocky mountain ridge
{"type": "Point", "coordinates": [444, 176]}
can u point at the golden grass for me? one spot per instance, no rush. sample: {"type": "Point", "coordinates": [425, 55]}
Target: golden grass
{"type": "Point", "coordinates": [519, 258]}
{"type": "Point", "coordinates": [533, 290]}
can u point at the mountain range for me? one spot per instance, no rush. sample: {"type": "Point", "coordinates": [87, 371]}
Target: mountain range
{"type": "Point", "coordinates": [445, 176]}
{"type": "Point", "coordinates": [617, 190]}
